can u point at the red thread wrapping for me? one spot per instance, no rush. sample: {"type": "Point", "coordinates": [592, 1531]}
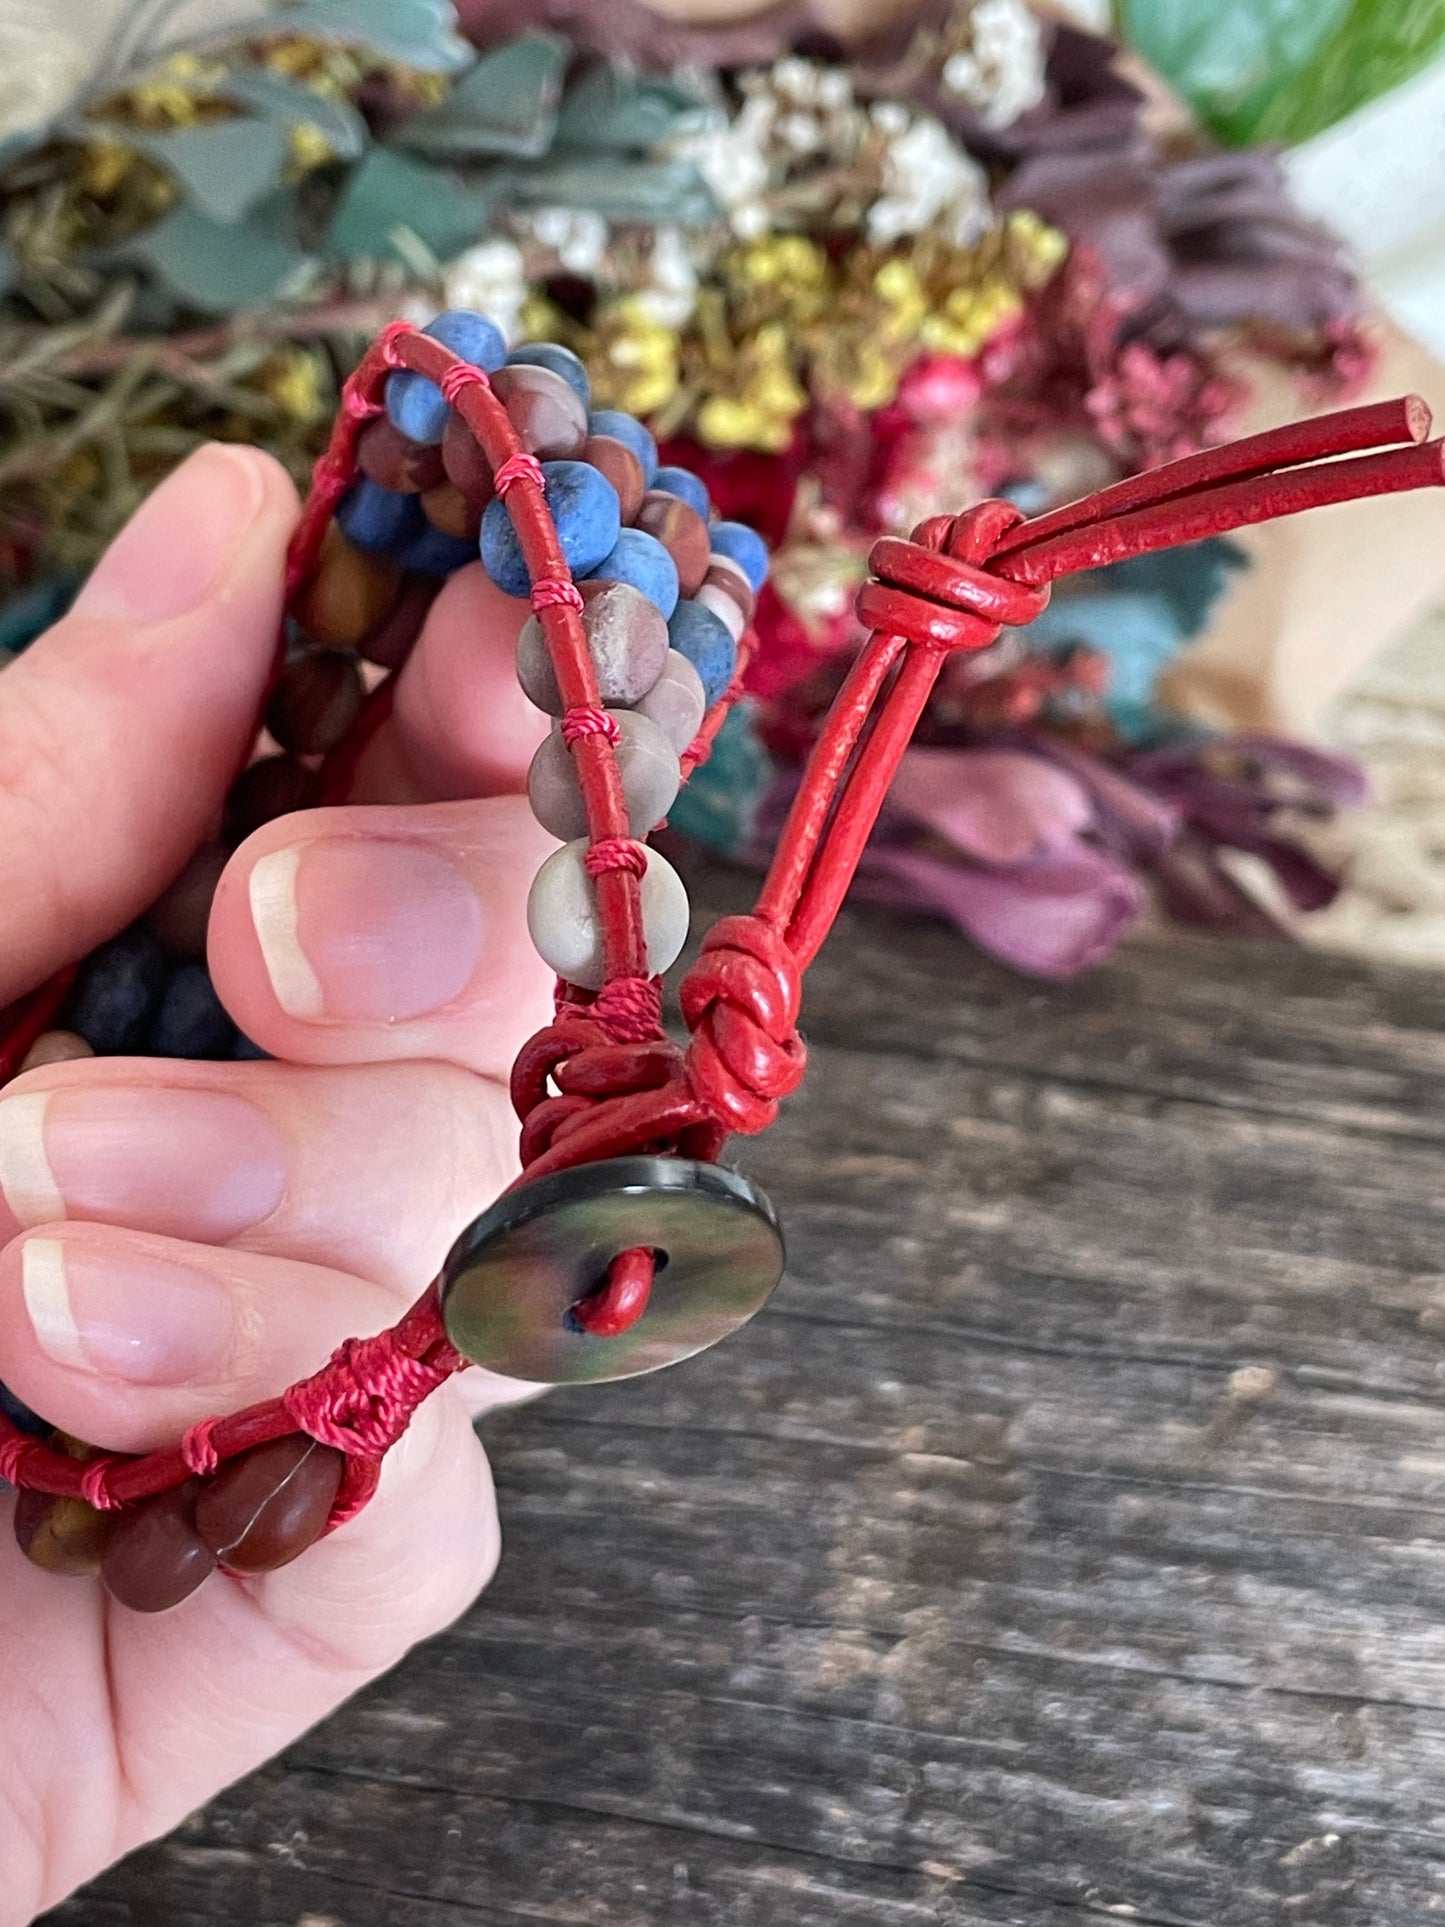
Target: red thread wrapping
{"type": "Point", "coordinates": [198, 1448]}
{"type": "Point", "coordinates": [615, 853]}
{"type": "Point", "coordinates": [520, 467]}
{"type": "Point", "coordinates": [460, 377]}
{"type": "Point", "coordinates": [556, 595]}
{"type": "Point", "coordinates": [578, 723]}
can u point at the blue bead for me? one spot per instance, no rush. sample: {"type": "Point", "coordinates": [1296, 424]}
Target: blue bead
{"type": "Point", "coordinates": [245, 1052]}
{"type": "Point", "coordinates": [191, 1021]}
{"type": "Point", "coordinates": [117, 993]}
{"type": "Point", "coordinates": [628, 430]}
{"type": "Point", "coordinates": [417, 406]}
{"type": "Point", "coordinates": [561, 361]}
{"type": "Point", "coordinates": [470, 335]}
{"type": "Point", "coordinates": [378, 519]}
{"type": "Point", "coordinates": [432, 552]}
{"type": "Point", "coordinates": [642, 561]}
{"type": "Point", "coordinates": [695, 632]}
{"type": "Point", "coordinates": [21, 1416]}
{"type": "Point", "coordinates": [586, 511]}
{"type": "Point", "coordinates": [686, 486]}
{"type": "Point", "coordinates": [744, 546]}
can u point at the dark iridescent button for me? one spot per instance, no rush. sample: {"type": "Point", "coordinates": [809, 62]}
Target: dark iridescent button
{"type": "Point", "coordinates": [517, 1272]}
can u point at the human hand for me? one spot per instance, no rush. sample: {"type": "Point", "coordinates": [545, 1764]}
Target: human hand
{"type": "Point", "coordinates": [185, 1238]}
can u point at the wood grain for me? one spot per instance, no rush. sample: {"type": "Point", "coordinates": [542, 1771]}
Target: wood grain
{"type": "Point", "coordinates": [1066, 1541]}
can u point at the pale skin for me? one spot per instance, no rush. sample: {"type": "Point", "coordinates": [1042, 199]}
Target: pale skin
{"type": "Point", "coordinates": [166, 1258]}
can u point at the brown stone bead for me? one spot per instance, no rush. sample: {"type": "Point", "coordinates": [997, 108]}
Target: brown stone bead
{"type": "Point", "coordinates": [621, 467]}
{"type": "Point", "coordinates": [548, 414]}
{"type": "Point", "coordinates": [318, 698]}
{"type": "Point", "coordinates": [467, 467]}
{"type": "Point", "coordinates": [348, 595]}
{"type": "Point", "coordinates": [387, 456]}
{"type": "Point", "coordinates": [275, 786]}
{"type": "Point", "coordinates": [726, 584]}
{"type": "Point", "coordinates": [391, 642]}
{"type": "Point", "coordinates": [447, 509]}
{"type": "Point", "coordinates": [62, 1535]}
{"type": "Point", "coordinates": [682, 532]}
{"type": "Point", "coordinates": [264, 1509]}
{"type": "Point", "coordinates": [626, 635]}
{"type": "Point", "coordinates": [156, 1558]}
{"type": "Point", "coordinates": [55, 1047]}
{"type": "Point", "coordinates": [182, 916]}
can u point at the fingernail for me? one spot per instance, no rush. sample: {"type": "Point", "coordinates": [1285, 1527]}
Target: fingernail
{"type": "Point", "coordinates": [179, 542]}
{"type": "Point", "coordinates": [194, 1164]}
{"type": "Point", "coordinates": [365, 931]}
{"type": "Point", "coordinates": [125, 1314]}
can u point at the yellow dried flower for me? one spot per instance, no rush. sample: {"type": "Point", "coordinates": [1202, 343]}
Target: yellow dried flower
{"type": "Point", "coordinates": [103, 168]}
{"type": "Point", "coordinates": [174, 94]}
{"type": "Point", "coordinates": [293, 380]}
{"type": "Point", "coordinates": [310, 148]}
{"type": "Point", "coordinates": [1035, 249]}
{"type": "Point", "coordinates": [637, 358]}
{"type": "Point", "coordinates": [760, 399]}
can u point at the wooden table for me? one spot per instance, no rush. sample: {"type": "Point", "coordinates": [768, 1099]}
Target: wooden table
{"type": "Point", "coordinates": [1066, 1541]}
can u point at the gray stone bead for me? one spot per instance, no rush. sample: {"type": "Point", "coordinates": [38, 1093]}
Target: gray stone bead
{"type": "Point", "coordinates": [650, 778]}
{"type": "Point", "coordinates": [567, 931]}
{"type": "Point", "coordinates": [627, 635]}
{"type": "Point", "coordinates": [724, 607]}
{"type": "Point", "coordinates": [676, 702]}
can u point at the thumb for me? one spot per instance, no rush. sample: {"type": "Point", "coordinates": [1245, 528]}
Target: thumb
{"type": "Point", "coordinates": [122, 727]}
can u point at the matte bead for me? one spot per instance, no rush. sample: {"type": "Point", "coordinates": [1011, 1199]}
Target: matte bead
{"type": "Point", "coordinates": [475, 337]}
{"type": "Point", "coordinates": [725, 575]}
{"type": "Point", "coordinates": [21, 1416]}
{"type": "Point", "coordinates": [385, 455]}
{"type": "Point", "coordinates": [447, 509]}
{"type": "Point", "coordinates": [264, 1509]}
{"type": "Point", "coordinates": [390, 643]}
{"type": "Point", "coordinates": [377, 519]}
{"type": "Point", "coordinates": [191, 1020]}
{"type": "Point", "coordinates": [272, 787]}
{"type": "Point", "coordinates": [118, 992]}
{"type": "Point", "coordinates": [416, 405]}
{"type": "Point", "coordinates": [550, 420]}
{"type": "Point", "coordinates": [703, 638]}
{"type": "Point", "coordinates": [182, 916]}
{"type": "Point", "coordinates": [724, 607]}
{"type": "Point", "coordinates": [682, 532]}
{"type": "Point", "coordinates": [646, 761]}
{"type": "Point", "coordinates": [686, 486]}
{"type": "Point", "coordinates": [621, 467]}
{"type": "Point", "coordinates": [676, 702]}
{"type": "Point", "coordinates": [567, 930]}
{"type": "Point", "coordinates": [349, 593]}
{"type": "Point", "coordinates": [561, 361]}
{"type": "Point", "coordinates": [53, 1047]}
{"type": "Point", "coordinates": [628, 429]}
{"type": "Point", "coordinates": [466, 464]}
{"type": "Point", "coordinates": [745, 547]}
{"type": "Point", "coordinates": [625, 634]}
{"type": "Point", "coordinates": [641, 560]}
{"type": "Point", "coordinates": [243, 1051]}
{"type": "Point", "coordinates": [156, 1557]}
{"type": "Point", "coordinates": [588, 520]}
{"type": "Point", "coordinates": [65, 1536]}
{"type": "Point", "coordinates": [429, 552]}
{"type": "Point", "coordinates": [319, 697]}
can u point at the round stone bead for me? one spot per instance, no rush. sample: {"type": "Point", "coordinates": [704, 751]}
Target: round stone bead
{"type": "Point", "coordinates": [466, 464]}
{"type": "Point", "coordinates": [626, 635]}
{"type": "Point", "coordinates": [724, 608]}
{"type": "Point", "coordinates": [559, 360]}
{"type": "Point", "coordinates": [473, 336]}
{"type": "Point", "coordinates": [703, 638]}
{"type": "Point", "coordinates": [191, 1020]}
{"type": "Point", "coordinates": [566, 929]}
{"type": "Point", "coordinates": [646, 761]}
{"type": "Point", "coordinates": [156, 1558]}
{"type": "Point", "coordinates": [429, 552]}
{"type": "Point", "coordinates": [745, 547]}
{"type": "Point", "coordinates": [53, 1047]}
{"type": "Point", "coordinates": [264, 1509]}
{"type": "Point", "coordinates": [416, 405]}
{"type": "Point", "coordinates": [688, 488]}
{"type": "Point", "coordinates": [453, 513]}
{"type": "Point", "coordinates": [117, 993]}
{"type": "Point", "coordinates": [622, 468]}
{"type": "Point", "coordinates": [628, 429]}
{"type": "Point", "coordinates": [244, 1051]}
{"type": "Point", "coordinates": [65, 1536]}
{"type": "Point", "coordinates": [550, 420]}
{"type": "Point", "coordinates": [182, 916]}
{"type": "Point", "coordinates": [682, 532]}
{"type": "Point", "coordinates": [390, 643]}
{"type": "Point", "coordinates": [728, 593]}
{"type": "Point", "coordinates": [386, 456]}
{"type": "Point", "coordinates": [641, 561]}
{"type": "Point", "coordinates": [20, 1414]}
{"type": "Point", "coordinates": [588, 519]}
{"type": "Point", "coordinates": [349, 593]}
{"type": "Point", "coordinates": [377, 519]}
{"type": "Point", "coordinates": [272, 787]}
{"type": "Point", "coordinates": [319, 697]}
{"type": "Point", "coordinates": [676, 702]}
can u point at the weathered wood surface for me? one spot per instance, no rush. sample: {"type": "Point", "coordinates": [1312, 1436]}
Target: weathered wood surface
{"type": "Point", "coordinates": [1067, 1540]}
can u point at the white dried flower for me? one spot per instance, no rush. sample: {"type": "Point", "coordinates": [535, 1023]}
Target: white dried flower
{"type": "Point", "coordinates": [997, 67]}
{"type": "Point", "coordinates": [928, 182]}
{"type": "Point", "coordinates": [491, 279]}
{"type": "Point", "coordinates": [731, 158]}
{"type": "Point", "coordinates": [576, 236]}
{"type": "Point", "coordinates": [671, 293]}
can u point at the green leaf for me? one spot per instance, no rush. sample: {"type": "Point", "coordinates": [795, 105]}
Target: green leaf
{"type": "Point", "coordinates": [1378, 46]}
{"type": "Point", "coordinates": [291, 105]}
{"type": "Point", "coordinates": [649, 192]}
{"type": "Point", "coordinates": [624, 113]}
{"type": "Point", "coordinates": [391, 197]}
{"type": "Point", "coordinates": [225, 166]}
{"type": "Point", "coordinates": [219, 266]}
{"type": "Point", "coordinates": [506, 104]}
{"type": "Point", "coordinates": [419, 33]}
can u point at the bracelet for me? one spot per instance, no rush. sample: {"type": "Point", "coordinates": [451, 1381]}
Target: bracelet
{"type": "Point", "coordinates": [625, 1246]}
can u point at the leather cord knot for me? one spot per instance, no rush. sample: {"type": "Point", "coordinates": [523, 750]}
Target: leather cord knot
{"type": "Point", "coordinates": [740, 1000]}
{"type": "Point", "coordinates": [938, 590]}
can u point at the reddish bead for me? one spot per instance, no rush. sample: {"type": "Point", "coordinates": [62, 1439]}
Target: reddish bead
{"type": "Point", "coordinates": [156, 1557]}
{"type": "Point", "coordinates": [181, 916]}
{"type": "Point", "coordinates": [726, 584]}
{"type": "Point", "coordinates": [466, 465]}
{"type": "Point", "coordinates": [447, 509]}
{"type": "Point", "coordinates": [682, 532]}
{"type": "Point", "coordinates": [275, 786]}
{"type": "Point", "coordinates": [622, 468]}
{"type": "Point", "coordinates": [393, 460]}
{"type": "Point", "coordinates": [61, 1535]}
{"type": "Point", "coordinates": [264, 1509]}
{"type": "Point", "coordinates": [391, 642]}
{"type": "Point", "coordinates": [627, 638]}
{"type": "Point", "coordinates": [318, 698]}
{"type": "Point", "coordinates": [547, 413]}
{"type": "Point", "coordinates": [349, 593]}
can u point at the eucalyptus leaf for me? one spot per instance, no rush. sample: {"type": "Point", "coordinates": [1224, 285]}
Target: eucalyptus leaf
{"type": "Point", "coordinates": [392, 196]}
{"type": "Point", "coordinates": [648, 192]}
{"type": "Point", "coordinates": [218, 266]}
{"type": "Point", "coordinates": [506, 104]}
{"type": "Point", "coordinates": [225, 166]}
{"type": "Point", "coordinates": [291, 105]}
{"type": "Point", "coordinates": [1380, 44]}
{"type": "Point", "coordinates": [419, 33]}
{"type": "Point", "coordinates": [624, 113]}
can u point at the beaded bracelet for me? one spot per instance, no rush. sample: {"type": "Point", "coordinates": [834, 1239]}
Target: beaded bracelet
{"type": "Point", "coordinates": [624, 1246]}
